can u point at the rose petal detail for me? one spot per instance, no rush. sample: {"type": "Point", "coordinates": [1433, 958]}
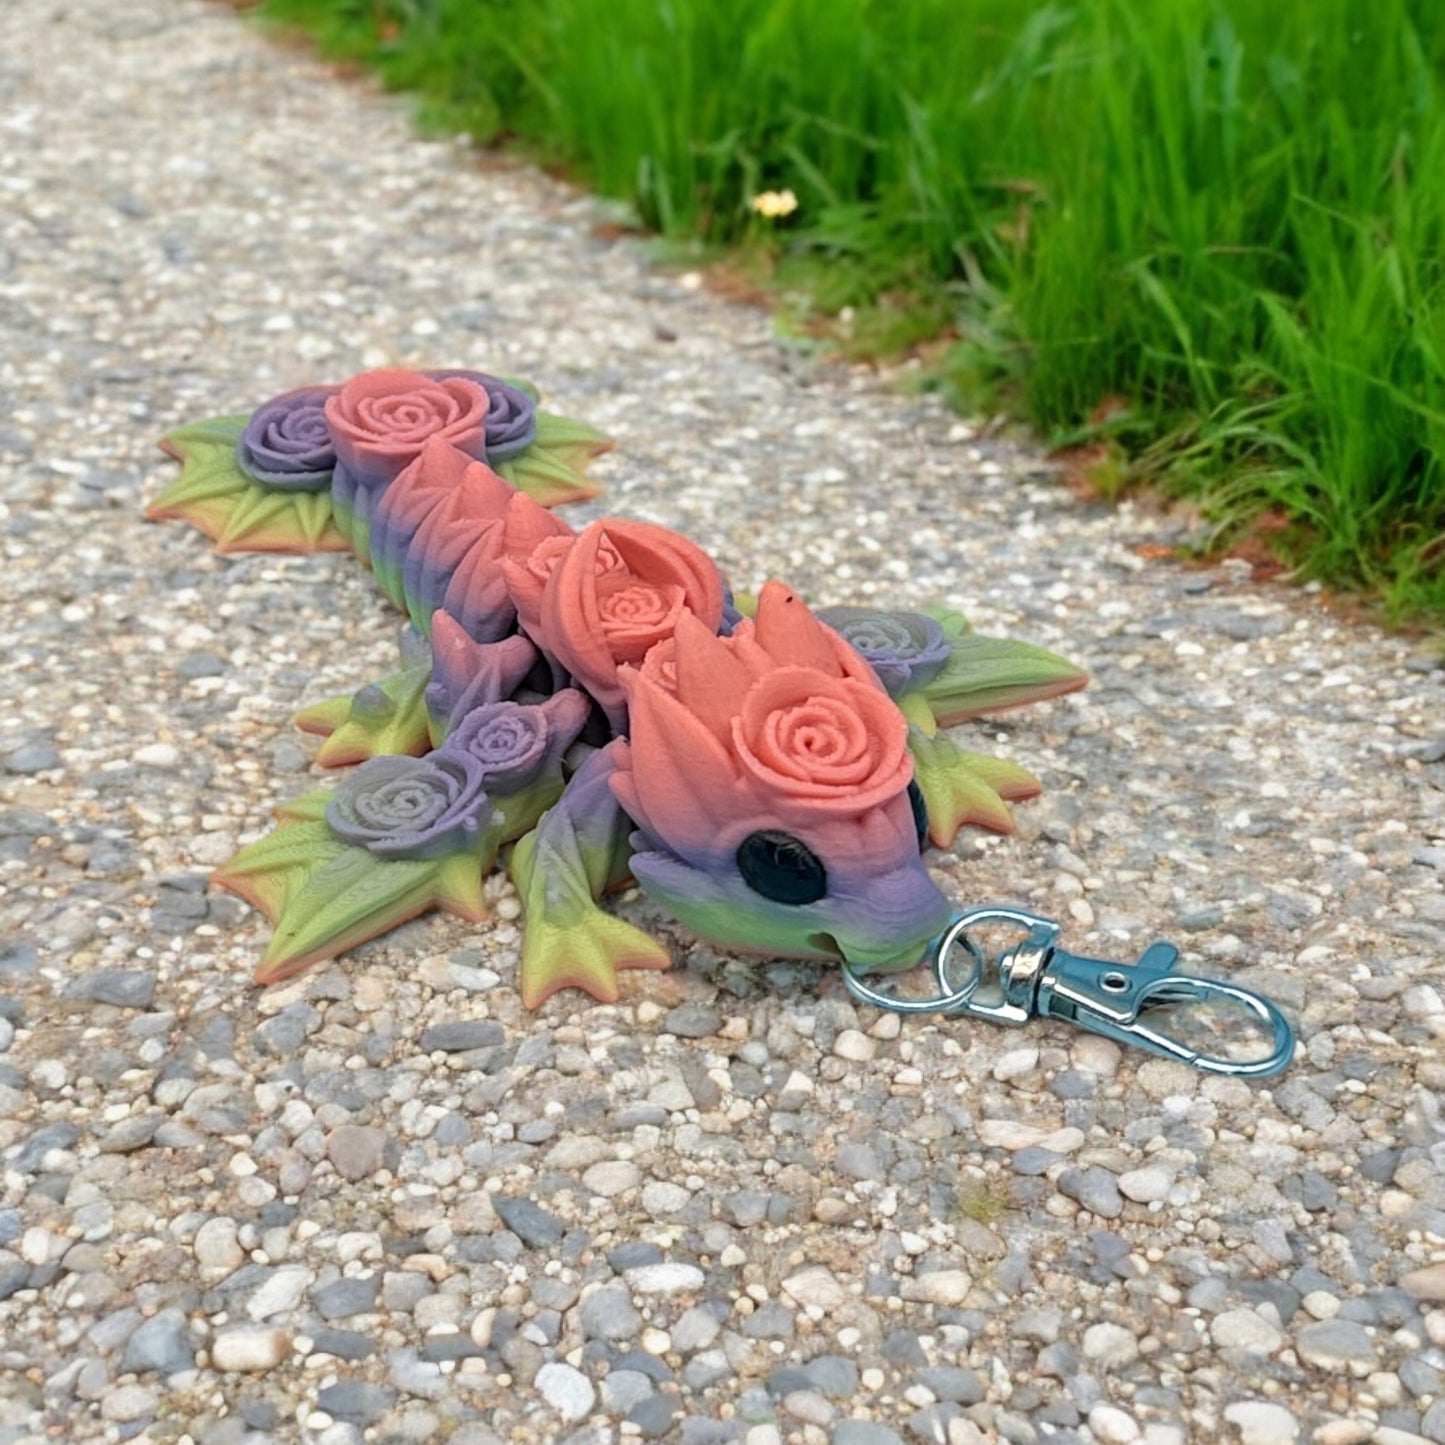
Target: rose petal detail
{"type": "Point", "coordinates": [411, 807]}
{"type": "Point", "coordinates": [287, 443]}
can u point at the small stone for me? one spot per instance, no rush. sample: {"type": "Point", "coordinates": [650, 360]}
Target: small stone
{"type": "Point", "coordinates": [356, 1401]}
{"type": "Point", "coordinates": [855, 1046]}
{"type": "Point", "coordinates": [279, 1293]}
{"type": "Point", "coordinates": [817, 1288]}
{"type": "Point", "coordinates": [128, 1402]}
{"type": "Point", "coordinates": [622, 1389]}
{"type": "Point", "coordinates": [32, 758]}
{"type": "Point", "coordinates": [250, 1350]}
{"type": "Point", "coordinates": [459, 1036]}
{"type": "Point", "coordinates": [609, 1314]}
{"type": "Point", "coordinates": [1149, 1185]}
{"type": "Point", "coordinates": [162, 1344]}
{"type": "Point", "coordinates": [1110, 1346]}
{"type": "Point", "coordinates": [1016, 1063]}
{"type": "Point", "coordinates": [1262, 1423]}
{"type": "Point", "coordinates": [947, 1288]}
{"type": "Point", "coordinates": [612, 1177]}
{"type": "Point", "coordinates": [692, 1021]}
{"type": "Point", "coordinates": [654, 1415]}
{"type": "Point", "coordinates": [694, 1329]}
{"type": "Point", "coordinates": [345, 1297]}
{"type": "Point", "coordinates": [532, 1224]}
{"type": "Point", "coordinates": [217, 1250]}
{"type": "Point", "coordinates": [1246, 1330]}
{"type": "Point", "coordinates": [1427, 1283]}
{"type": "Point", "coordinates": [157, 755]}
{"type": "Point", "coordinates": [1113, 1426]}
{"type": "Point", "coordinates": [671, 1277]}
{"type": "Point", "coordinates": [130, 1134]}
{"type": "Point", "coordinates": [567, 1390]}
{"type": "Point", "coordinates": [1337, 1344]}
{"type": "Point", "coordinates": [865, 1432]}
{"type": "Point", "coordinates": [1095, 1189]}
{"type": "Point", "coordinates": [954, 1383]}
{"type": "Point", "coordinates": [122, 987]}
{"type": "Point", "coordinates": [356, 1151]}
{"type": "Point", "coordinates": [661, 1199]}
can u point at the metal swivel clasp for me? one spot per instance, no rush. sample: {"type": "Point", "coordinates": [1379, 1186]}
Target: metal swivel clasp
{"type": "Point", "coordinates": [1037, 977]}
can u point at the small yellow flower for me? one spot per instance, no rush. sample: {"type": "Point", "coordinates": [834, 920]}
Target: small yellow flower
{"type": "Point", "coordinates": [774, 204]}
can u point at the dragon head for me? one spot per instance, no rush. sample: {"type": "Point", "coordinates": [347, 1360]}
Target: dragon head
{"type": "Point", "coordinates": [770, 779]}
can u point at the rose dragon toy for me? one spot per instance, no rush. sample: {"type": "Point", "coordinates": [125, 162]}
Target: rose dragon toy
{"type": "Point", "coordinates": [592, 698]}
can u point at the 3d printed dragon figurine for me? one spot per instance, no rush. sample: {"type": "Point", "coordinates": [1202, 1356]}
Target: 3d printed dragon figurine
{"type": "Point", "coordinates": [593, 698]}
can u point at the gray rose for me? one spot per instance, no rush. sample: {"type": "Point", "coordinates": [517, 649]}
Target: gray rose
{"type": "Point", "coordinates": [906, 649]}
{"type": "Point", "coordinates": [411, 807]}
{"type": "Point", "coordinates": [516, 743]}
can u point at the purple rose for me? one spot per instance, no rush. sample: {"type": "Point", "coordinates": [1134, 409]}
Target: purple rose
{"type": "Point", "coordinates": [411, 807]}
{"type": "Point", "coordinates": [511, 414]}
{"type": "Point", "coordinates": [287, 442]}
{"type": "Point", "coordinates": [905, 649]}
{"type": "Point", "coordinates": [516, 743]}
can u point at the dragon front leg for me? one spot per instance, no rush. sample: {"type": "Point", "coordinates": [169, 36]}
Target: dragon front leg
{"type": "Point", "coordinates": [575, 854]}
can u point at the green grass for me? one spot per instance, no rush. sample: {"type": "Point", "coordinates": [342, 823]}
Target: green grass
{"type": "Point", "coordinates": [1223, 218]}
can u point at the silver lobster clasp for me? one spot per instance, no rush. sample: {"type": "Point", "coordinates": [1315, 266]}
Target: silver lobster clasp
{"type": "Point", "coordinates": [1038, 978]}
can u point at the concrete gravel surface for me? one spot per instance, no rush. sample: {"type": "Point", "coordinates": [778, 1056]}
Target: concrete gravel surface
{"type": "Point", "coordinates": [734, 1206]}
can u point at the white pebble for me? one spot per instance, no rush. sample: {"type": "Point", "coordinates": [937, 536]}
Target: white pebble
{"type": "Point", "coordinates": [1262, 1423]}
{"type": "Point", "coordinates": [568, 1391]}
{"type": "Point", "coordinates": [1145, 1186]}
{"type": "Point", "coordinates": [156, 755]}
{"type": "Point", "coordinates": [612, 1177]}
{"type": "Point", "coordinates": [1111, 1425]}
{"type": "Point", "coordinates": [250, 1351]}
{"type": "Point", "coordinates": [217, 1251]}
{"type": "Point", "coordinates": [855, 1046]}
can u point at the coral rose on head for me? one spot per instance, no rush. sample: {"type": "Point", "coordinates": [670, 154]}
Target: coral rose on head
{"type": "Point", "coordinates": [617, 591]}
{"type": "Point", "coordinates": [380, 423]}
{"type": "Point", "coordinates": [287, 442]}
{"type": "Point", "coordinates": [768, 773]}
{"type": "Point", "coordinates": [835, 741]}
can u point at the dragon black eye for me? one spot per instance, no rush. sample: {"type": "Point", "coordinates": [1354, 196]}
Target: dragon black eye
{"type": "Point", "coordinates": [781, 867]}
{"type": "Point", "coordinates": [920, 813]}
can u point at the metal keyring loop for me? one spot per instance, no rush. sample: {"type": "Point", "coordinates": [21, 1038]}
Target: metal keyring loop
{"type": "Point", "coordinates": [946, 1000]}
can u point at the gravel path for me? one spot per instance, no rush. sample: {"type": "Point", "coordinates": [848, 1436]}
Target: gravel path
{"type": "Point", "coordinates": [733, 1207]}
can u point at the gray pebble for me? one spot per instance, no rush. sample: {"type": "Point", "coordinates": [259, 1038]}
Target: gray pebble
{"type": "Point", "coordinates": [608, 1314]}
{"type": "Point", "coordinates": [161, 1344]}
{"type": "Point", "coordinates": [953, 1382]}
{"type": "Point", "coordinates": [622, 1389]}
{"type": "Point", "coordinates": [692, 1021]}
{"type": "Point", "coordinates": [344, 1344]}
{"type": "Point", "coordinates": [122, 987]}
{"type": "Point", "coordinates": [356, 1401]}
{"type": "Point", "coordinates": [1095, 1189]}
{"type": "Point", "coordinates": [1336, 1344]}
{"type": "Point", "coordinates": [457, 1037]}
{"type": "Point", "coordinates": [33, 1151]}
{"type": "Point", "coordinates": [865, 1432]}
{"type": "Point", "coordinates": [356, 1151]}
{"type": "Point", "coordinates": [343, 1298]}
{"type": "Point", "coordinates": [654, 1415]}
{"type": "Point", "coordinates": [532, 1224]}
{"type": "Point", "coordinates": [32, 758]}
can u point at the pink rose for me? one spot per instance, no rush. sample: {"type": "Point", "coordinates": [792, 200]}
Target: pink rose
{"type": "Point", "coordinates": [380, 423]}
{"type": "Point", "coordinates": [614, 593]}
